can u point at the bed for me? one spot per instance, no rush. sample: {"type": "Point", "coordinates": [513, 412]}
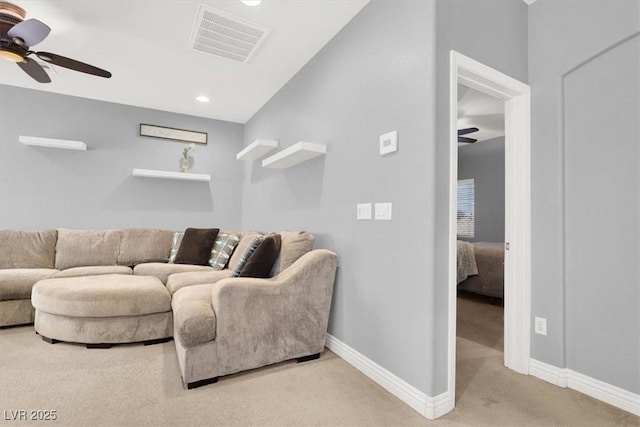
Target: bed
{"type": "Point", "coordinates": [481, 268]}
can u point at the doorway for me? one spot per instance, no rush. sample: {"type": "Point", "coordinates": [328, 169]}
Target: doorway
{"type": "Point", "coordinates": [517, 260]}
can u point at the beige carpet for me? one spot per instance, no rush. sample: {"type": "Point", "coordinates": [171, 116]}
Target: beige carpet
{"type": "Point", "coordinates": [493, 395]}
{"type": "Point", "coordinates": [135, 385]}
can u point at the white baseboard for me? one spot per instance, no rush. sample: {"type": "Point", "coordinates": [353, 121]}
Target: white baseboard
{"type": "Point", "coordinates": [597, 389]}
{"type": "Point", "coordinates": [428, 407]}
{"type": "Point", "coordinates": [435, 407]}
{"type": "Point", "coordinates": [549, 373]}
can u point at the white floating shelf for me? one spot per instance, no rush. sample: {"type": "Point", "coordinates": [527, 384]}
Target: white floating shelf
{"type": "Point", "coordinates": [257, 149]}
{"type": "Point", "coordinates": [185, 176]}
{"type": "Point", "coordinates": [297, 153]}
{"type": "Point", "coordinates": [54, 143]}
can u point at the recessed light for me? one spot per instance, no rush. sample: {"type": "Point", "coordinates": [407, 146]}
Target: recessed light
{"type": "Point", "coordinates": [202, 98]}
{"type": "Point", "coordinates": [251, 2]}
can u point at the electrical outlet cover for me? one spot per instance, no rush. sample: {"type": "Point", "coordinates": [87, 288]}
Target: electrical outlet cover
{"type": "Point", "coordinates": [541, 326]}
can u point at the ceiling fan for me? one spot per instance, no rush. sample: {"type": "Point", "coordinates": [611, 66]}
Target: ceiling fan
{"type": "Point", "coordinates": [467, 131]}
{"type": "Point", "coordinates": [18, 35]}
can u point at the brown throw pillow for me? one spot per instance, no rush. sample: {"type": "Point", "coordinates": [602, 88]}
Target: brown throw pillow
{"type": "Point", "coordinates": [251, 247]}
{"type": "Point", "coordinates": [196, 245]}
{"type": "Point", "coordinates": [261, 262]}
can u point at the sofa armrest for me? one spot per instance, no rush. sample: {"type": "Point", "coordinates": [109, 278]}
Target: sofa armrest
{"type": "Point", "coordinates": [269, 320]}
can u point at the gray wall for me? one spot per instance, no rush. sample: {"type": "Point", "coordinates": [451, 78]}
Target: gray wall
{"type": "Point", "coordinates": [494, 33]}
{"type": "Point", "coordinates": [49, 187]}
{"type": "Point", "coordinates": [484, 162]}
{"type": "Point", "coordinates": [584, 68]}
{"type": "Point", "coordinates": [375, 76]}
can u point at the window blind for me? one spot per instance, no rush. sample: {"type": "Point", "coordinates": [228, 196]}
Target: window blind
{"type": "Point", "coordinates": [466, 208]}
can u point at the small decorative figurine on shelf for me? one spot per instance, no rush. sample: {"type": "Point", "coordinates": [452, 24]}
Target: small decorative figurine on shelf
{"type": "Point", "coordinates": [186, 161]}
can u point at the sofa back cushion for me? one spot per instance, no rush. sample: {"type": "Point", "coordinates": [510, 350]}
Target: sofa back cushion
{"type": "Point", "coordinates": [27, 249]}
{"type": "Point", "coordinates": [144, 245]}
{"type": "Point", "coordinates": [294, 245]}
{"type": "Point", "coordinates": [79, 248]}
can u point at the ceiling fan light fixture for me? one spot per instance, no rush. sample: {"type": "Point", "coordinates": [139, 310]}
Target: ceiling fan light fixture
{"type": "Point", "coordinates": [251, 2]}
{"type": "Point", "coordinates": [10, 56]}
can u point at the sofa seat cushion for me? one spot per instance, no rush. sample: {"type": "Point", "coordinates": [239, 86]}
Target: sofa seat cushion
{"type": "Point", "coordinates": [108, 295]}
{"type": "Point", "coordinates": [16, 283]}
{"type": "Point", "coordinates": [180, 280]}
{"type": "Point", "coordinates": [28, 249]}
{"type": "Point", "coordinates": [96, 270]}
{"type": "Point", "coordinates": [193, 315]}
{"type": "Point", "coordinates": [163, 270]}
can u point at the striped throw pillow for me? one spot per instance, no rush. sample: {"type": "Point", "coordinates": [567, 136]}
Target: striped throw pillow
{"type": "Point", "coordinates": [222, 249]}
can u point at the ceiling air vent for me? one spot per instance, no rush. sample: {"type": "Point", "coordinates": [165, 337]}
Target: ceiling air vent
{"type": "Point", "coordinates": [221, 34]}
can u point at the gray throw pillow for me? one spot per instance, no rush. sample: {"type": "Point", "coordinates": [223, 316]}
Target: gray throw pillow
{"type": "Point", "coordinates": [175, 245]}
{"type": "Point", "coordinates": [222, 249]}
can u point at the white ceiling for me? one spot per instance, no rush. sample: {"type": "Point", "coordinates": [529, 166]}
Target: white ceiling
{"type": "Point", "coordinates": [145, 45]}
{"type": "Point", "coordinates": [476, 109]}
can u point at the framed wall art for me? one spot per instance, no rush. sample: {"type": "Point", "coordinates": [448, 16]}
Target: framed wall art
{"type": "Point", "coordinates": [173, 134]}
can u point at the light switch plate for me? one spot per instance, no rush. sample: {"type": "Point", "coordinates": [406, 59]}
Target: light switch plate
{"type": "Point", "coordinates": [383, 211]}
{"type": "Point", "coordinates": [363, 211]}
{"type": "Point", "coordinates": [389, 143]}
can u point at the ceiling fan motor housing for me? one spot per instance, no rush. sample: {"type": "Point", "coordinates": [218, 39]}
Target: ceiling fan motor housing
{"type": "Point", "coordinates": [10, 15]}
{"type": "Point", "coordinates": [11, 9]}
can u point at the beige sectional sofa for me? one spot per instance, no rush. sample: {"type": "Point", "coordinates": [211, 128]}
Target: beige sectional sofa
{"type": "Point", "coordinates": [110, 286]}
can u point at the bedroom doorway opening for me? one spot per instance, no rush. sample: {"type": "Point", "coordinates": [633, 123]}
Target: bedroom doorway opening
{"type": "Point", "coordinates": [480, 237]}
{"type": "Point", "coordinates": [515, 96]}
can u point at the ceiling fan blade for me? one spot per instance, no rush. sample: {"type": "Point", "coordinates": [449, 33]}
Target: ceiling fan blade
{"type": "Point", "coordinates": [31, 31]}
{"type": "Point", "coordinates": [72, 64]}
{"type": "Point", "coordinates": [34, 70]}
{"type": "Point", "coordinates": [467, 131]}
{"type": "Point", "coordinates": [467, 140]}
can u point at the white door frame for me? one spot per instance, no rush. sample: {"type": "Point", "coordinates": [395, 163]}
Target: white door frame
{"type": "Point", "coordinates": [517, 292]}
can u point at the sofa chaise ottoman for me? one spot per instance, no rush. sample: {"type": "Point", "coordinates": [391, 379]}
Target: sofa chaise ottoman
{"type": "Point", "coordinates": [102, 310]}
{"type": "Point", "coordinates": [244, 323]}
